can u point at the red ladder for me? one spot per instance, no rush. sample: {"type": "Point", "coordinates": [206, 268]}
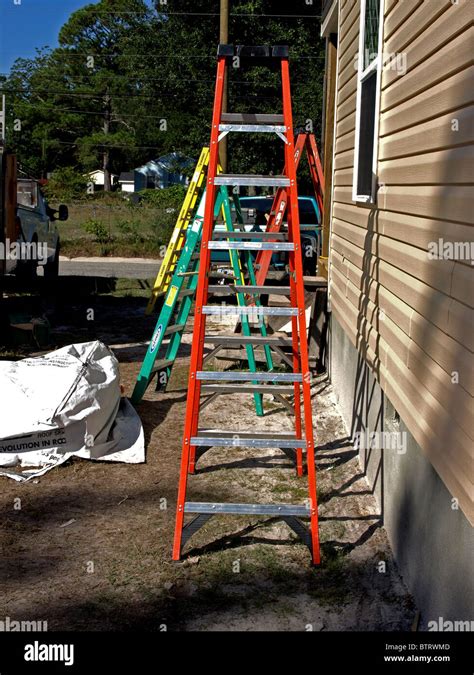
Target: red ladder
{"type": "Point", "coordinates": [297, 382]}
{"type": "Point", "coordinates": [275, 221]}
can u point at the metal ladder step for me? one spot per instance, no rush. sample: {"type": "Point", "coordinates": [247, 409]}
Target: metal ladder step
{"type": "Point", "coordinates": [237, 340]}
{"type": "Point", "coordinates": [176, 328]}
{"type": "Point", "coordinates": [186, 293]}
{"type": "Point", "coordinates": [254, 128]}
{"type": "Point", "coordinates": [251, 118]}
{"type": "Point", "coordinates": [251, 179]}
{"type": "Point", "coordinates": [234, 288]}
{"type": "Point", "coordinates": [248, 509]}
{"type": "Point", "coordinates": [255, 312]}
{"type": "Point", "coordinates": [244, 376]}
{"type": "Point", "coordinates": [250, 246]}
{"type": "Point", "coordinates": [239, 234]}
{"type": "Point", "coordinates": [216, 437]}
{"type": "Point", "coordinates": [246, 389]}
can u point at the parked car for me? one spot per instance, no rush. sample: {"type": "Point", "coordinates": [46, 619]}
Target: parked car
{"type": "Point", "coordinates": [255, 211]}
{"type": "Point", "coordinates": [36, 223]}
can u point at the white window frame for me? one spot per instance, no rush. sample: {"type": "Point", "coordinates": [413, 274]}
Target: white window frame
{"type": "Point", "coordinates": [362, 75]}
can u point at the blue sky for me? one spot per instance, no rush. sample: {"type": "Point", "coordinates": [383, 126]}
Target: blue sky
{"type": "Point", "coordinates": [33, 23]}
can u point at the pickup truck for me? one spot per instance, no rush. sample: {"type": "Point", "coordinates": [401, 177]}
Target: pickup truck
{"type": "Point", "coordinates": [254, 211]}
{"type": "Point", "coordinates": [37, 232]}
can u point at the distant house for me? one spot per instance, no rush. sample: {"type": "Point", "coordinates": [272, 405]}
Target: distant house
{"type": "Point", "coordinates": [158, 173]}
{"type": "Point", "coordinates": [127, 181]}
{"type": "Point", "coordinates": [97, 178]}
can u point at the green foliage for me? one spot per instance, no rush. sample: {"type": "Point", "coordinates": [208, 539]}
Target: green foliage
{"type": "Point", "coordinates": [169, 198]}
{"type": "Point", "coordinates": [97, 229]}
{"type": "Point", "coordinates": [65, 185]}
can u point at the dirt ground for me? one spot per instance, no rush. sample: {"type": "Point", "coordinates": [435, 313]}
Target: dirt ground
{"type": "Point", "coordinates": [90, 548]}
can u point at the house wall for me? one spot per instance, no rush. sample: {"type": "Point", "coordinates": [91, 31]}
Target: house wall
{"type": "Point", "coordinates": [405, 317]}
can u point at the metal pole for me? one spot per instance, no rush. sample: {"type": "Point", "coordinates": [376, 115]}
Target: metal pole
{"type": "Point", "coordinates": [3, 119]}
{"type": "Point", "coordinates": [223, 40]}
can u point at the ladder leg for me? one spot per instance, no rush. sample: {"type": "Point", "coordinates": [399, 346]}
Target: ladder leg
{"type": "Point", "coordinates": [296, 368]}
{"type": "Point", "coordinates": [181, 319]}
{"type": "Point", "coordinates": [238, 273]}
{"type": "Point", "coordinates": [262, 326]}
{"type": "Point", "coordinates": [296, 263]}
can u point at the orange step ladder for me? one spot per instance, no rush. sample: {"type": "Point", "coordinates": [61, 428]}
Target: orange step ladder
{"type": "Point", "coordinates": [297, 382]}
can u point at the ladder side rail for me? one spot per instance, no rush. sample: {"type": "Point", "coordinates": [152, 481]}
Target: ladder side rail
{"type": "Point", "coordinates": [279, 206]}
{"type": "Point", "coordinates": [297, 264]}
{"type": "Point", "coordinates": [194, 386]}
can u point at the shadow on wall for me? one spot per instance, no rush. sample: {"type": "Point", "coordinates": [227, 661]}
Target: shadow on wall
{"type": "Point", "coordinates": [368, 403]}
{"type": "Point", "coordinates": [430, 539]}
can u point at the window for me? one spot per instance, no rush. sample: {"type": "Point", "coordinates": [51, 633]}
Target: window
{"type": "Point", "coordinates": [27, 193]}
{"type": "Point", "coordinates": [368, 98]}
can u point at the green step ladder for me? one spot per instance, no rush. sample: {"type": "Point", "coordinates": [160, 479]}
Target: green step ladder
{"type": "Point", "coordinates": [179, 299]}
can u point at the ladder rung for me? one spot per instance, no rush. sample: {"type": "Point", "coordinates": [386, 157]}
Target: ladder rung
{"type": "Point", "coordinates": [246, 389]}
{"type": "Point", "coordinates": [186, 293]}
{"type": "Point", "coordinates": [251, 179]}
{"type": "Point", "coordinates": [177, 328]}
{"type": "Point", "coordinates": [251, 246]}
{"type": "Point", "coordinates": [254, 312]}
{"type": "Point", "coordinates": [224, 438]}
{"type": "Point", "coordinates": [234, 288]}
{"type": "Point", "coordinates": [254, 128]}
{"type": "Point", "coordinates": [188, 274]}
{"type": "Point", "coordinates": [248, 509]}
{"type": "Point", "coordinates": [160, 365]}
{"type": "Point", "coordinates": [236, 340]}
{"type": "Point", "coordinates": [244, 376]}
{"type": "Point", "coordinates": [238, 234]}
{"type": "Point", "coordinates": [251, 118]}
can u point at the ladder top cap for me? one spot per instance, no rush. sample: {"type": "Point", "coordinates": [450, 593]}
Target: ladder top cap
{"type": "Point", "coordinates": [254, 51]}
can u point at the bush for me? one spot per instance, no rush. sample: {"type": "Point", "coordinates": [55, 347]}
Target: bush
{"type": "Point", "coordinates": [65, 185]}
{"type": "Point", "coordinates": [97, 229]}
{"type": "Point", "coordinates": [168, 198]}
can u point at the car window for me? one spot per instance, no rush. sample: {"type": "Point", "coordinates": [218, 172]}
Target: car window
{"type": "Point", "coordinates": [262, 205]}
{"type": "Point", "coordinates": [27, 193]}
{"type": "Point", "coordinates": [307, 211]}
{"type": "Point", "coordinates": [308, 215]}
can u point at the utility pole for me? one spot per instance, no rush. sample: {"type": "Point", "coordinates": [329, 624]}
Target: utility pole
{"type": "Point", "coordinates": [224, 39]}
{"type": "Point", "coordinates": [3, 120]}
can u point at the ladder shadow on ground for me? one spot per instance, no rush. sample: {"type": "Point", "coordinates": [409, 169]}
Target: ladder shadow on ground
{"type": "Point", "coordinates": [339, 492]}
{"type": "Point", "coordinates": [244, 537]}
{"type": "Point", "coordinates": [263, 462]}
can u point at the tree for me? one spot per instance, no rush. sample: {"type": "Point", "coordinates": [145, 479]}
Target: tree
{"type": "Point", "coordinates": [94, 51]}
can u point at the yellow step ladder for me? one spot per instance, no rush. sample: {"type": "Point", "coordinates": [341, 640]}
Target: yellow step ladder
{"type": "Point", "coordinates": [178, 237]}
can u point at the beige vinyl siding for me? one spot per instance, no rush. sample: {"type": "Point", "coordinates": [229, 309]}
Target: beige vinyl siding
{"type": "Point", "coordinates": [409, 316]}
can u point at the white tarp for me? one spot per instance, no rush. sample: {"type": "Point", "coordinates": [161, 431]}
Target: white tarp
{"type": "Point", "coordinates": [63, 404]}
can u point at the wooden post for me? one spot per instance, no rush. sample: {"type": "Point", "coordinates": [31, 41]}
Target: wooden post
{"type": "Point", "coordinates": [331, 62]}
{"type": "Point", "coordinates": [223, 40]}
